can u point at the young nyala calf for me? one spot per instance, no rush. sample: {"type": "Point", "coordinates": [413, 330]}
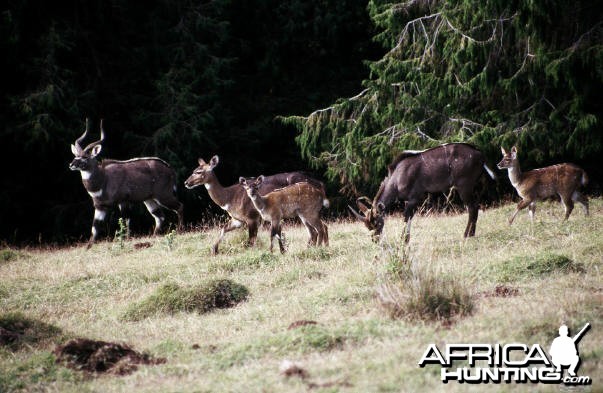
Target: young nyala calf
{"type": "Point", "coordinates": [563, 180]}
{"type": "Point", "coordinates": [303, 200]}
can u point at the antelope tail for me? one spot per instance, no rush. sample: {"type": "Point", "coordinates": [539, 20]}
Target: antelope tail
{"type": "Point", "coordinates": [584, 179]}
{"type": "Point", "coordinates": [492, 174]}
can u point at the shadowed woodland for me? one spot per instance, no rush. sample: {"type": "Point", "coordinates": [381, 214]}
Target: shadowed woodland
{"type": "Point", "coordinates": [261, 84]}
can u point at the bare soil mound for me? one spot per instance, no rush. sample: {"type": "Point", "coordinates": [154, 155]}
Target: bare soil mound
{"type": "Point", "coordinates": [102, 357]}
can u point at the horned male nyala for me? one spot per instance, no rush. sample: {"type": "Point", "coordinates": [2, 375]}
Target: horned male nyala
{"type": "Point", "coordinates": [416, 173]}
{"type": "Point", "coordinates": [111, 182]}
{"type": "Point", "coordinates": [563, 180]}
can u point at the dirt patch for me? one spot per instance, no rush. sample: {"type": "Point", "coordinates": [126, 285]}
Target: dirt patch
{"type": "Point", "coordinates": [140, 245]}
{"type": "Point", "coordinates": [502, 291]}
{"type": "Point", "coordinates": [8, 337]}
{"type": "Point", "coordinates": [102, 357]}
{"type": "Point", "coordinates": [303, 322]}
{"type": "Point", "coordinates": [291, 369]}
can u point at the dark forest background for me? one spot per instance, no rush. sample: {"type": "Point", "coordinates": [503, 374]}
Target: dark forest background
{"type": "Point", "coordinates": [183, 79]}
{"type": "Point", "coordinates": [175, 79]}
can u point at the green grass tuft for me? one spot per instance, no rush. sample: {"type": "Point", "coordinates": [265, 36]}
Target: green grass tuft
{"type": "Point", "coordinates": [413, 291]}
{"type": "Point", "coordinates": [171, 298]}
{"type": "Point", "coordinates": [251, 260]}
{"type": "Point", "coordinates": [529, 267]}
{"type": "Point", "coordinates": [34, 373]}
{"type": "Point", "coordinates": [317, 253]}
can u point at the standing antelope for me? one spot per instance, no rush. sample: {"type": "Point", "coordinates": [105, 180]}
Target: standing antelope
{"type": "Point", "coordinates": [561, 179]}
{"type": "Point", "coordinates": [111, 182]}
{"type": "Point", "coordinates": [414, 173]}
{"type": "Point", "coordinates": [234, 200]}
{"type": "Point", "coordinates": [302, 200]}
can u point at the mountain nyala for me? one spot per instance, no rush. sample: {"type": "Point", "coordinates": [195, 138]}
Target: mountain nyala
{"type": "Point", "coordinates": [110, 182]}
{"type": "Point", "coordinates": [413, 174]}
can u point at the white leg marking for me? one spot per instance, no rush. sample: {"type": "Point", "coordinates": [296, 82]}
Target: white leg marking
{"type": "Point", "coordinates": [94, 232]}
{"type": "Point", "coordinates": [152, 206]}
{"type": "Point", "coordinates": [99, 215]}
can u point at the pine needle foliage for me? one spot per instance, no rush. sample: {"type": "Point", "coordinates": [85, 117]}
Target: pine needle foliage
{"type": "Point", "coordinates": [486, 72]}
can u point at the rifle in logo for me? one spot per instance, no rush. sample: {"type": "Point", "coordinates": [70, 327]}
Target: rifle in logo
{"type": "Point", "coordinates": [564, 351]}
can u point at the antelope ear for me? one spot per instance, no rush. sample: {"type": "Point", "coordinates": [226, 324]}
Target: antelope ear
{"type": "Point", "coordinates": [514, 152]}
{"type": "Point", "coordinates": [74, 150]}
{"type": "Point", "coordinates": [260, 179]}
{"type": "Point", "coordinates": [214, 162]}
{"type": "Point", "coordinates": [95, 150]}
{"type": "Point", "coordinates": [504, 152]}
{"type": "Point", "coordinates": [242, 181]}
{"type": "Point", "coordinates": [201, 161]}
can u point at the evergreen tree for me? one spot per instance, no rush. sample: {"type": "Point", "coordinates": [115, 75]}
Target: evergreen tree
{"type": "Point", "coordinates": [487, 72]}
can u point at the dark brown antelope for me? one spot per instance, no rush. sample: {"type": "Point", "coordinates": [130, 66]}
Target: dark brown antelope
{"type": "Point", "coordinates": [111, 182]}
{"type": "Point", "coordinates": [234, 200]}
{"type": "Point", "coordinates": [561, 180]}
{"type": "Point", "coordinates": [414, 173]}
{"type": "Point", "coordinates": [303, 200]}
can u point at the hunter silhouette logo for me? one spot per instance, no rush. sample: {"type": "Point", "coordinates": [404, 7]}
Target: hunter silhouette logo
{"type": "Point", "coordinates": [511, 363]}
{"type": "Point", "coordinates": [564, 351]}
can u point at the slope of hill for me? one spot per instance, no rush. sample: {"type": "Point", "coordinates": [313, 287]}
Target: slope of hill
{"type": "Point", "coordinates": [316, 308]}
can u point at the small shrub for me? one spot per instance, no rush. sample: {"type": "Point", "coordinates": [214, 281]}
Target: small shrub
{"type": "Point", "coordinates": [121, 234]}
{"type": "Point", "coordinates": [171, 298]}
{"type": "Point", "coordinates": [170, 240]}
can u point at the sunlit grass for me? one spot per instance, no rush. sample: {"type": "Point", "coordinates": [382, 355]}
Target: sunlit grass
{"type": "Point", "coordinates": [553, 267]}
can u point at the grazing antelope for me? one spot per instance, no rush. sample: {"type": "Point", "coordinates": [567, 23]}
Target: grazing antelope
{"type": "Point", "coordinates": [234, 200]}
{"type": "Point", "coordinates": [111, 182]}
{"type": "Point", "coordinates": [302, 200]}
{"type": "Point", "coordinates": [414, 173]}
{"type": "Point", "coordinates": [561, 179]}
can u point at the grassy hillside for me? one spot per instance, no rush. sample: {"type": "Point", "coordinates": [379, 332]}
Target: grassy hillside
{"type": "Point", "coordinates": [547, 274]}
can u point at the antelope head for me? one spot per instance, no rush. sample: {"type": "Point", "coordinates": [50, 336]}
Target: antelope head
{"type": "Point", "coordinates": [372, 216]}
{"type": "Point", "coordinates": [509, 158]}
{"type": "Point", "coordinates": [85, 158]}
{"type": "Point", "coordinates": [202, 174]}
{"type": "Point", "coordinates": [252, 185]}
